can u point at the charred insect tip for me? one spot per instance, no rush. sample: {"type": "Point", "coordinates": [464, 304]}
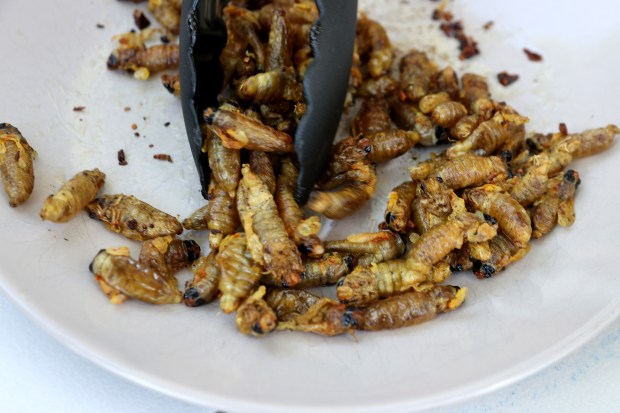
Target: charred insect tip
{"type": "Point", "coordinates": [113, 62]}
{"type": "Point", "coordinates": [209, 116]}
{"type": "Point", "coordinates": [572, 177]}
{"type": "Point", "coordinates": [489, 219]}
{"type": "Point", "coordinates": [439, 179]}
{"type": "Point", "coordinates": [456, 287]}
{"type": "Point", "coordinates": [340, 282]}
{"type": "Point", "coordinates": [532, 145]}
{"type": "Point", "coordinates": [348, 260]}
{"type": "Point", "coordinates": [389, 217]}
{"type": "Point", "coordinates": [91, 265]}
{"type": "Point", "coordinates": [510, 173]}
{"type": "Point", "coordinates": [368, 148]}
{"type": "Point", "coordinates": [506, 155]}
{"type": "Point", "coordinates": [423, 185]}
{"type": "Point", "coordinates": [348, 320]}
{"type": "Point", "coordinates": [193, 249]}
{"type": "Point", "coordinates": [457, 268]}
{"type": "Point", "coordinates": [483, 270]}
{"type": "Point", "coordinates": [258, 329]}
{"type": "Point", "coordinates": [304, 249]}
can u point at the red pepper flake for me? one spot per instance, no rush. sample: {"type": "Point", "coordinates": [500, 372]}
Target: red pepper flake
{"type": "Point", "coordinates": [79, 108]}
{"type": "Point", "coordinates": [467, 45]}
{"type": "Point", "coordinates": [121, 158]}
{"type": "Point", "coordinates": [488, 25]}
{"type": "Point", "coordinates": [447, 16]}
{"type": "Point", "coordinates": [563, 129]}
{"type": "Point", "coordinates": [532, 56]}
{"type": "Point", "coordinates": [163, 157]}
{"type": "Point", "coordinates": [506, 78]}
{"type": "Point", "coordinates": [134, 126]}
{"type": "Point", "coordinates": [142, 22]}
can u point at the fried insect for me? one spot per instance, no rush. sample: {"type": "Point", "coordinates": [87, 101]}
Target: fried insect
{"type": "Point", "coordinates": [398, 211]}
{"type": "Point", "coordinates": [447, 114]}
{"type": "Point", "coordinates": [557, 205]}
{"type": "Point", "coordinates": [466, 170]}
{"type": "Point", "coordinates": [350, 196]}
{"type": "Point", "coordinates": [289, 303]}
{"type": "Point", "coordinates": [327, 270]}
{"type": "Point", "coordinates": [237, 131]}
{"type": "Point", "coordinates": [73, 196]}
{"type": "Point", "coordinates": [371, 248]}
{"type": "Point", "coordinates": [373, 116]}
{"type": "Point", "coordinates": [530, 187]}
{"type": "Point", "coordinates": [406, 309]}
{"type": "Point", "coordinates": [464, 127]}
{"type": "Point", "coordinates": [377, 87]}
{"type": "Point", "coordinates": [204, 287]}
{"type": "Point", "coordinates": [593, 141]}
{"type": "Point", "coordinates": [271, 86]}
{"type": "Point", "coordinates": [239, 274]}
{"type": "Point", "coordinates": [511, 217]}
{"type": "Point", "coordinates": [234, 51]}
{"type": "Point", "coordinates": [374, 38]}
{"type": "Point", "coordinates": [485, 139]}
{"type": "Point", "coordinates": [503, 252]}
{"type": "Point", "coordinates": [225, 163]}
{"type": "Point", "coordinates": [261, 165]}
{"type": "Point", "coordinates": [475, 95]}
{"type": "Point", "coordinates": [279, 46]}
{"type": "Point", "coordinates": [172, 83]}
{"type": "Point", "coordinates": [324, 317]}
{"type": "Point", "coordinates": [407, 117]}
{"type": "Point", "coordinates": [416, 70]}
{"type": "Point", "coordinates": [446, 81]}
{"type": "Point", "coordinates": [246, 27]}
{"type": "Point", "coordinates": [352, 150]}
{"type": "Point", "coordinates": [134, 279]}
{"type": "Point", "coordinates": [167, 12]}
{"type": "Point", "coordinates": [263, 225]}
{"type": "Point", "coordinates": [429, 102]}
{"type": "Point", "coordinates": [133, 218]}
{"type": "Point", "coordinates": [432, 204]}
{"type": "Point", "coordinates": [167, 255]}
{"type": "Point", "coordinates": [16, 167]}
{"type": "Point", "coordinates": [221, 215]}
{"type": "Point", "coordinates": [302, 231]}
{"type": "Point", "coordinates": [142, 61]}
{"type": "Point", "coordinates": [255, 317]}
{"type": "Point", "coordinates": [390, 144]}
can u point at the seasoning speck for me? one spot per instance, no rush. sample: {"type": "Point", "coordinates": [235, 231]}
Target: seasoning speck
{"type": "Point", "coordinates": [532, 56]}
{"type": "Point", "coordinates": [163, 157]}
{"type": "Point", "coordinates": [136, 134]}
{"type": "Point", "coordinates": [563, 129]}
{"type": "Point", "coordinates": [127, 109]}
{"type": "Point", "coordinates": [134, 126]}
{"type": "Point", "coordinates": [488, 25]}
{"type": "Point", "coordinates": [79, 108]}
{"type": "Point", "coordinates": [100, 26]}
{"type": "Point", "coordinates": [142, 22]}
{"type": "Point", "coordinates": [506, 78]}
{"type": "Point", "coordinates": [167, 124]}
{"type": "Point", "coordinates": [121, 158]}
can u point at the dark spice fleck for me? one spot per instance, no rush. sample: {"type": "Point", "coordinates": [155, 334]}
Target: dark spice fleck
{"type": "Point", "coordinates": [506, 78]}
{"type": "Point", "coordinates": [136, 134]}
{"type": "Point", "coordinates": [162, 157]}
{"type": "Point", "coordinates": [79, 108]}
{"type": "Point", "coordinates": [121, 158]}
{"type": "Point", "coordinates": [532, 56]}
{"type": "Point", "coordinates": [467, 45]}
{"type": "Point", "coordinates": [488, 25]}
{"type": "Point", "coordinates": [167, 124]}
{"type": "Point", "coordinates": [127, 109]}
{"type": "Point", "coordinates": [142, 22]}
{"type": "Point", "coordinates": [563, 129]}
{"type": "Point", "coordinates": [151, 145]}
{"type": "Point", "coordinates": [100, 26]}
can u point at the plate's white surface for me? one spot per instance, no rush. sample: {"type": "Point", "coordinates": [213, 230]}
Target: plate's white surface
{"type": "Point", "coordinates": [538, 310]}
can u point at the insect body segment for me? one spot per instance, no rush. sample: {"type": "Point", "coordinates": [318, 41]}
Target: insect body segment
{"type": "Point", "coordinates": [205, 285]}
{"type": "Point", "coordinates": [16, 166]}
{"type": "Point", "coordinates": [73, 196]}
{"type": "Point", "coordinates": [254, 316]}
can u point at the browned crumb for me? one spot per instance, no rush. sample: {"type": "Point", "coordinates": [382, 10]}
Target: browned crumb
{"type": "Point", "coordinates": [134, 126]}
{"type": "Point", "coordinates": [563, 129]}
{"type": "Point", "coordinates": [151, 145]}
{"type": "Point", "coordinates": [142, 22]}
{"type": "Point", "coordinates": [506, 78]}
{"type": "Point", "coordinates": [532, 56]}
{"type": "Point", "coordinates": [467, 45]}
{"type": "Point", "coordinates": [163, 157]}
{"type": "Point", "coordinates": [488, 25]}
{"type": "Point", "coordinates": [79, 108]}
{"type": "Point", "coordinates": [121, 158]}
{"type": "Point", "coordinates": [127, 109]}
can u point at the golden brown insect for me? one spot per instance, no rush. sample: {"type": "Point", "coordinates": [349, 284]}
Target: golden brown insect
{"type": "Point", "coordinates": [324, 317]}
{"type": "Point", "coordinates": [350, 151]}
{"type": "Point", "coordinates": [234, 51]}
{"type": "Point", "coordinates": [557, 205]}
{"type": "Point", "coordinates": [447, 81]}
{"type": "Point", "coordinates": [391, 143]}
{"type": "Point", "coordinates": [289, 303]}
{"type": "Point", "coordinates": [302, 231]}
{"type": "Point", "coordinates": [416, 70]}
{"type": "Point", "coordinates": [134, 279]}
{"type": "Point", "coordinates": [593, 141]}
{"type": "Point", "coordinates": [429, 102]}
{"type": "Point", "coordinates": [377, 87]}
{"type": "Point", "coordinates": [255, 317]}
{"type": "Point", "coordinates": [468, 170]}
{"type": "Point", "coordinates": [279, 46]}
{"type": "Point", "coordinates": [350, 196]}
{"type": "Point", "coordinates": [205, 285]}
{"type": "Point", "coordinates": [73, 196]}
{"type": "Point", "coordinates": [225, 163]}
{"type": "Point", "coordinates": [372, 247]}
{"type": "Point", "coordinates": [263, 225]}
{"type": "Point", "coordinates": [246, 27]}
{"type": "Point", "coordinates": [530, 187]}
{"type": "Point", "coordinates": [271, 86]}
{"type": "Point", "coordinates": [464, 127]}
{"type": "Point", "coordinates": [503, 252]}
{"type": "Point", "coordinates": [237, 131]}
{"type": "Point", "coordinates": [167, 12]}
{"type": "Point", "coordinates": [432, 204]}
{"type": "Point", "coordinates": [398, 211]}
{"type": "Point", "coordinates": [373, 116]}
{"type": "Point", "coordinates": [239, 274]}
{"type": "Point", "coordinates": [220, 215]}
{"type": "Point", "coordinates": [447, 114]}
{"type": "Point", "coordinates": [511, 217]}
{"type": "Point", "coordinates": [133, 218]}
{"type": "Point", "coordinates": [299, 12]}
{"type": "Point", "coordinates": [485, 139]}
{"type": "Point", "coordinates": [261, 165]}
{"type": "Point", "coordinates": [172, 83]}
{"type": "Point", "coordinates": [167, 255]}
{"type": "Point", "coordinates": [406, 309]}
{"type": "Point", "coordinates": [326, 270]}
{"type": "Point", "coordinates": [407, 117]}
{"type": "Point", "coordinates": [16, 167]}
{"type": "Point", "coordinates": [142, 61]}
{"type": "Point", "coordinates": [475, 95]}
{"type": "Point", "coordinates": [374, 38]}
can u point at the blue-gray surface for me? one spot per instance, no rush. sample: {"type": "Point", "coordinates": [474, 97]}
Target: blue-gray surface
{"type": "Point", "coordinates": [37, 374]}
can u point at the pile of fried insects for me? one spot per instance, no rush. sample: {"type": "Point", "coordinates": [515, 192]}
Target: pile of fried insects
{"type": "Point", "coordinates": [474, 206]}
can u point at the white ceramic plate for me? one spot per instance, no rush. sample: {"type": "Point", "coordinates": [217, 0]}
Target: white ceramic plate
{"type": "Point", "coordinates": [537, 311]}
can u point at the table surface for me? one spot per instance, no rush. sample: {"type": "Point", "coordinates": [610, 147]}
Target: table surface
{"type": "Point", "coordinates": [39, 374]}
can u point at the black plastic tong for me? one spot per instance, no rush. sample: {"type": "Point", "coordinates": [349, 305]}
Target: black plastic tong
{"type": "Point", "coordinates": [202, 38]}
